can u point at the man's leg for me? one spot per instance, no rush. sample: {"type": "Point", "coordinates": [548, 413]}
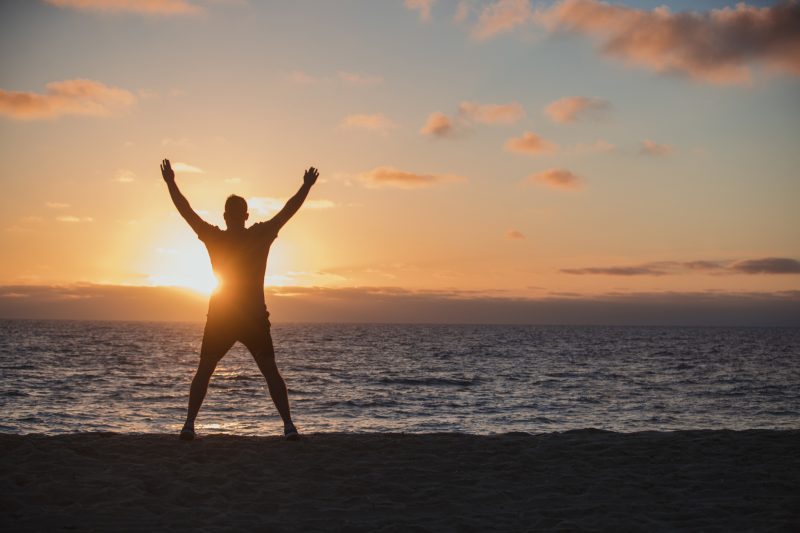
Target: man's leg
{"type": "Point", "coordinates": [264, 353]}
{"type": "Point", "coordinates": [214, 347]}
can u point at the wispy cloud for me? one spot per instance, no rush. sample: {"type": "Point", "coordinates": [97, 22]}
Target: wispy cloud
{"type": "Point", "coordinates": [357, 79]}
{"type": "Point", "coordinates": [144, 7]}
{"type": "Point", "coordinates": [264, 205]}
{"type": "Point", "coordinates": [180, 142]}
{"type": "Point", "coordinates": [69, 97]}
{"type": "Point", "coordinates": [185, 167]}
{"type": "Point", "coordinates": [514, 234]}
{"type": "Point", "coordinates": [470, 113]}
{"type": "Point", "coordinates": [491, 113]}
{"type": "Point", "coordinates": [502, 16]}
{"type": "Point", "coordinates": [301, 78]}
{"type": "Point", "coordinates": [598, 147]}
{"type": "Point", "coordinates": [124, 175]}
{"type": "Point", "coordinates": [557, 178]}
{"type": "Point", "coordinates": [573, 108]}
{"type": "Point", "coordinates": [716, 46]}
{"type": "Point", "coordinates": [653, 148]}
{"type": "Point", "coordinates": [531, 144]}
{"type": "Point", "coordinates": [376, 122]}
{"type": "Point", "coordinates": [421, 6]}
{"type": "Point", "coordinates": [73, 219]}
{"type": "Point", "coordinates": [438, 125]}
{"type": "Point", "coordinates": [392, 177]}
{"type": "Point", "coordinates": [768, 265]}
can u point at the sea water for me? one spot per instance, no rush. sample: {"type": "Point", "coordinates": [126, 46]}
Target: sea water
{"type": "Point", "coordinates": [72, 376]}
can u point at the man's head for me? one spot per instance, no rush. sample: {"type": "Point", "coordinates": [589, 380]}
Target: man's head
{"type": "Point", "coordinates": [235, 211]}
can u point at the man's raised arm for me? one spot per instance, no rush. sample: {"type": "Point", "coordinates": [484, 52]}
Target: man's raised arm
{"type": "Point", "coordinates": [180, 201]}
{"type": "Point", "coordinates": [294, 203]}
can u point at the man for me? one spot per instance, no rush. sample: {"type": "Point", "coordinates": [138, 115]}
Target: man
{"type": "Point", "coordinates": [236, 310]}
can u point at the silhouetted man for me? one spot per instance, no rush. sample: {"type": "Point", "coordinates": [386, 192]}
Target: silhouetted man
{"type": "Point", "coordinates": [236, 310]}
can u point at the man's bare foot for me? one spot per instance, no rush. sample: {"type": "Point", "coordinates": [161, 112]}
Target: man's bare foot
{"type": "Point", "coordinates": [290, 432]}
{"type": "Point", "coordinates": [187, 433]}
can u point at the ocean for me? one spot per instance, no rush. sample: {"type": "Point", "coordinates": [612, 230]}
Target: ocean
{"type": "Point", "coordinates": [133, 377]}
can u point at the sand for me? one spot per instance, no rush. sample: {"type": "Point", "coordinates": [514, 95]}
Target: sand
{"type": "Point", "coordinates": [577, 480]}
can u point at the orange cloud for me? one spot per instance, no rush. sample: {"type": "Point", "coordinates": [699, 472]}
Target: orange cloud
{"type": "Point", "coordinates": [492, 113]}
{"type": "Point", "coordinates": [500, 17]}
{"type": "Point", "coordinates": [573, 108]}
{"type": "Point", "coordinates": [558, 178]}
{"type": "Point", "coordinates": [530, 144]}
{"type": "Point", "coordinates": [423, 6]}
{"type": "Point", "coordinates": [377, 122]}
{"type": "Point", "coordinates": [653, 148]}
{"type": "Point", "coordinates": [717, 46]}
{"type": "Point", "coordinates": [69, 97]}
{"type": "Point", "coordinates": [145, 7]}
{"type": "Point", "coordinates": [392, 177]}
{"type": "Point", "coordinates": [514, 234]}
{"type": "Point", "coordinates": [438, 125]}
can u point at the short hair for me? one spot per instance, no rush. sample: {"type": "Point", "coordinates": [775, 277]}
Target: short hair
{"type": "Point", "coordinates": [236, 205]}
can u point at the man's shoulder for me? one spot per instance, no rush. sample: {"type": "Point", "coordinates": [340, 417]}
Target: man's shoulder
{"type": "Point", "coordinates": [208, 231]}
{"type": "Point", "coordinates": [264, 228]}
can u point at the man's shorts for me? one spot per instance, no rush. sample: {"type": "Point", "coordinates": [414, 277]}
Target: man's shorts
{"type": "Point", "coordinates": [223, 329]}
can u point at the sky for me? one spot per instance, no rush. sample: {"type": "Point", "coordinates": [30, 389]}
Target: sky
{"type": "Point", "coordinates": [488, 152]}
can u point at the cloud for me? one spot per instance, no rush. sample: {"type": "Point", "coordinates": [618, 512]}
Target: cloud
{"type": "Point", "coordinates": [642, 270]}
{"type": "Point", "coordinates": [264, 205]}
{"type": "Point", "coordinates": [56, 205]}
{"type": "Point", "coordinates": [74, 220]}
{"type": "Point", "coordinates": [396, 305]}
{"type": "Point", "coordinates": [514, 234]}
{"type": "Point", "coordinates": [438, 125]}
{"type": "Point", "coordinates": [392, 177]}
{"type": "Point", "coordinates": [768, 265]}
{"type": "Point", "coordinates": [653, 148]}
{"type": "Point", "coordinates": [182, 142]}
{"type": "Point", "coordinates": [557, 178]}
{"type": "Point", "coordinates": [531, 144]}
{"type": "Point", "coordinates": [423, 6]}
{"type": "Point", "coordinates": [502, 16]}
{"type": "Point", "coordinates": [359, 80]}
{"type": "Point", "coordinates": [574, 108]}
{"type": "Point", "coordinates": [377, 122]}
{"type": "Point", "coordinates": [301, 78]}
{"type": "Point", "coordinates": [185, 167]}
{"type": "Point", "coordinates": [69, 97]}
{"type": "Point", "coordinates": [599, 146]}
{"type": "Point", "coordinates": [469, 113]}
{"type": "Point", "coordinates": [492, 113]}
{"type": "Point", "coordinates": [124, 176]}
{"type": "Point", "coordinates": [462, 13]}
{"type": "Point", "coordinates": [716, 46]}
{"type": "Point", "coordinates": [144, 7]}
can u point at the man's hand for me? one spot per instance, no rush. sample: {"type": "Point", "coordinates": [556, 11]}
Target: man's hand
{"type": "Point", "coordinates": [167, 173]}
{"type": "Point", "coordinates": [309, 178]}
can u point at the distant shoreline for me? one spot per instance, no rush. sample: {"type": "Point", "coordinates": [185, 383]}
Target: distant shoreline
{"type": "Point", "coordinates": [581, 479]}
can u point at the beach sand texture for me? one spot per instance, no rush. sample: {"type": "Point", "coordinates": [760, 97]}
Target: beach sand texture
{"type": "Point", "coordinates": [576, 480]}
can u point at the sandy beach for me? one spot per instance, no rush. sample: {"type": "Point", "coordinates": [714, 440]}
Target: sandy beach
{"type": "Point", "coordinates": [576, 480]}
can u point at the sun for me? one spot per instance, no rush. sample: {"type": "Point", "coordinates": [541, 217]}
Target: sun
{"type": "Point", "coordinates": [183, 266]}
